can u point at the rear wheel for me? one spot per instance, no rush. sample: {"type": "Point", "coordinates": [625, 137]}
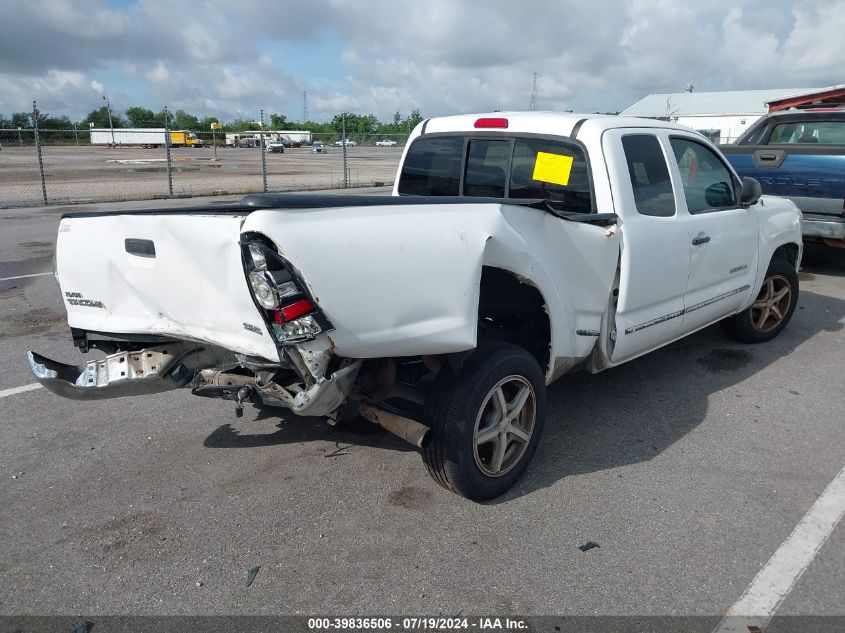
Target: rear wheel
{"type": "Point", "coordinates": [771, 310]}
{"type": "Point", "coordinates": [486, 421]}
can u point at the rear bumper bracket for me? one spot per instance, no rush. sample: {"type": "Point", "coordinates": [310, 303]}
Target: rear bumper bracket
{"type": "Point", "coordinates": [142, 372]}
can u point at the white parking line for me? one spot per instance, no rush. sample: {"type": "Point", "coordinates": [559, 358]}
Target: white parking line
{"type": "Point", "coordinates": [778, 576]}
{"type": "Point", "coordinates": [14, 390]}
{"type": "Point", "coordinates": [25, 276]}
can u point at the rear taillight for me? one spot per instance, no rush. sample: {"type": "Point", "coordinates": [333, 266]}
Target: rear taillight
{"type": "Point", "coordinates": [288, 307]}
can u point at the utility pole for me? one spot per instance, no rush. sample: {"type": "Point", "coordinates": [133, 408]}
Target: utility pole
{"type": "Point", "coordinates": [304, 107]}
{"type": "Point", "coordinates": [38, 150]}
{"type": "Point", "coordinates": [214, 127]}
{"type": "Point", "coordinates": [343, 146]}
{"type": "Point", "coordinates": [533, 104]}
{"type": "Point", "coordinates": [108, 109]}
{"type": "Point", "coordinates": [263, 156]}
{"type": "Point", "coordinates": [167, 151]}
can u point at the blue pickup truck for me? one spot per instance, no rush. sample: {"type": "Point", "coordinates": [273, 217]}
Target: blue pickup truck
{"type": "Point", "coordinates": [800, 155]}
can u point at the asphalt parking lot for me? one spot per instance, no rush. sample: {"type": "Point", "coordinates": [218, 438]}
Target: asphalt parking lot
{"type": "Point", "coordinates": [688, 467]}
{"type": "Point", "coordinates": [85, 173]}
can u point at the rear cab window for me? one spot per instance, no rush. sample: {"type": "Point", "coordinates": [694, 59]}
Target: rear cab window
{"type": "Point", "coordinates": [507, 166]}
{"type": "Point", "coordinates": [433, 167]}
{"type": "Point", "coordinates": [812, 132]}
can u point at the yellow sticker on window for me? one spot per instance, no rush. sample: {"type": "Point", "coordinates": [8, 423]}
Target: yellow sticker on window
{"type": "Point", "coordinates": [553, 168]}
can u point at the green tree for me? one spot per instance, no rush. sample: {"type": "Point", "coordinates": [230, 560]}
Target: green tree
{"type": "Point", "coordinates": [21, 119]}
{"type": "Point", "coordinates": [100, 118]}
{"type": "Point", "coordinates": [205, 123]}
{"type": "Point", "coordinates": [278, 121]}
{"type": "Point", "coordinates": [47, 122]}
{"type": "Point", "coordinates": [367, 124]}
{"type": "Point", "coordinates": [184, 121]}
{"type": "Point", "coordinates": [416, 118]}
{"type": "Point", "coordinates": [159, 118]}
{"type": "Point", "coordinates": [141, 117]}
{"type": "Point", "coordinates": [239, 125]}
{"type": "Point", "coordinates": [353, 123]}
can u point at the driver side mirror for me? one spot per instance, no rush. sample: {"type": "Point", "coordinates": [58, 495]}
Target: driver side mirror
{"type": "Point", "coordinates": [750, 192]}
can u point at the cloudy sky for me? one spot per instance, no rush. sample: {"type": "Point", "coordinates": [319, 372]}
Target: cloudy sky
{"type": "Point", "coordinates": [229, 58]}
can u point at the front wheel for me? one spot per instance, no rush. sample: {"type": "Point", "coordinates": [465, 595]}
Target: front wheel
{"type": "Point", "coordinates": [771, 310]}
{"type": "Point", "coordinates": [486, 421]}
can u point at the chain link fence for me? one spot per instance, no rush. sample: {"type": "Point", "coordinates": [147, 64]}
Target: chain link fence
{"type": "Point", "coordinates": [46, 166]}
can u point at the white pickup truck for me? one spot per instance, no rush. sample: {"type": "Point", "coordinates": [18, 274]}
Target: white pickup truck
{"type": "Point", "coordinates": [517, 247]}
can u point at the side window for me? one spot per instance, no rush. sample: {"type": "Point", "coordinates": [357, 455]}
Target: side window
{"type": "Point", "coordinates": [801, 132]}
{"type": "Point", "coordinates": [551, 170]}
{"type": "Point", "coordinates": [432, 167]}
{"type": "Point", "coordinates": [708, 185]}
{"type": "Point", "coordinates": [487, 168]}
{"type": "Point", "coordinates": [649, 175]}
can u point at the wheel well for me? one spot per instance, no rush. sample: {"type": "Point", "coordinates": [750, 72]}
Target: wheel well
{"type": "Point", "coordinates": [513, 310]}
{"type": "Point", "coordinates": [787, 252]}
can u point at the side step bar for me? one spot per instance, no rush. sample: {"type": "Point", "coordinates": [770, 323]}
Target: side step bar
{"type": "Point", "coordinates": [147, 371]}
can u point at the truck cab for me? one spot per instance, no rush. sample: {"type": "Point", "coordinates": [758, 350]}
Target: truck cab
{"type": "Point", "coordinates": [185, 138]}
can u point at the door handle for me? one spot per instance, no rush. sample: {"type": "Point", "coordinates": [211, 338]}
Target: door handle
{"type": "Point", "coordinates": [142, 248]}
{"type": "Point", "coordinates": [701, 239]}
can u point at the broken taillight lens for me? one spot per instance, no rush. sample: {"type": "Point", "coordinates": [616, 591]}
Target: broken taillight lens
{"type": "Point", "coordinates": [256, 252]}
{"type": "Point", "coordinates": [300, 329]}
{"type": "Point", "coordinates": [289, 308]}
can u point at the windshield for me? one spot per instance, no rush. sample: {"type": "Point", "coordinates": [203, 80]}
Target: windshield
{"type": "Point", "coordinates": [501, 167]}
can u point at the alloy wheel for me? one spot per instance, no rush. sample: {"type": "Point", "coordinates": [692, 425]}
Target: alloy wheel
{"type": "Point", "coordinates": [772, 304]}
{"type": "Point", "coordinates": [504, 426]}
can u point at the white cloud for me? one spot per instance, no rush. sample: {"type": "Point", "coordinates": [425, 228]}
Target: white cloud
{"type": "Point", "coordinates": [441, 56]}
{"type": "Point", "coordinates": [158, 75]}
{"type": "Point", "coordinates": [816, 46]}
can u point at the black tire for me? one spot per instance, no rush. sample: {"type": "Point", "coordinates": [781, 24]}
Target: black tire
{"type": "Point", "coordinates": [753, 325]}
{"type": "Point", "coordinates": [454, 409]}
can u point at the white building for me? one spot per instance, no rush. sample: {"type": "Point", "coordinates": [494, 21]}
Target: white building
{"type": "Point", "coordinates": [721, 116]}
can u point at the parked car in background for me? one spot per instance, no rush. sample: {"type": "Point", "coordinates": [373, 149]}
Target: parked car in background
{"type": "Point", "coordinates": [274, 147]}
{"type": "Point", "coordinates": [386, 143]}
{"type": "Point", "coordinates": [347, 142]}
{"type": "Point", "coordinates": [517, 247]}
{"type": "Point", "coordinates": [319, 147]}
{"type": "Point", "coordinates": [800, 154]}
